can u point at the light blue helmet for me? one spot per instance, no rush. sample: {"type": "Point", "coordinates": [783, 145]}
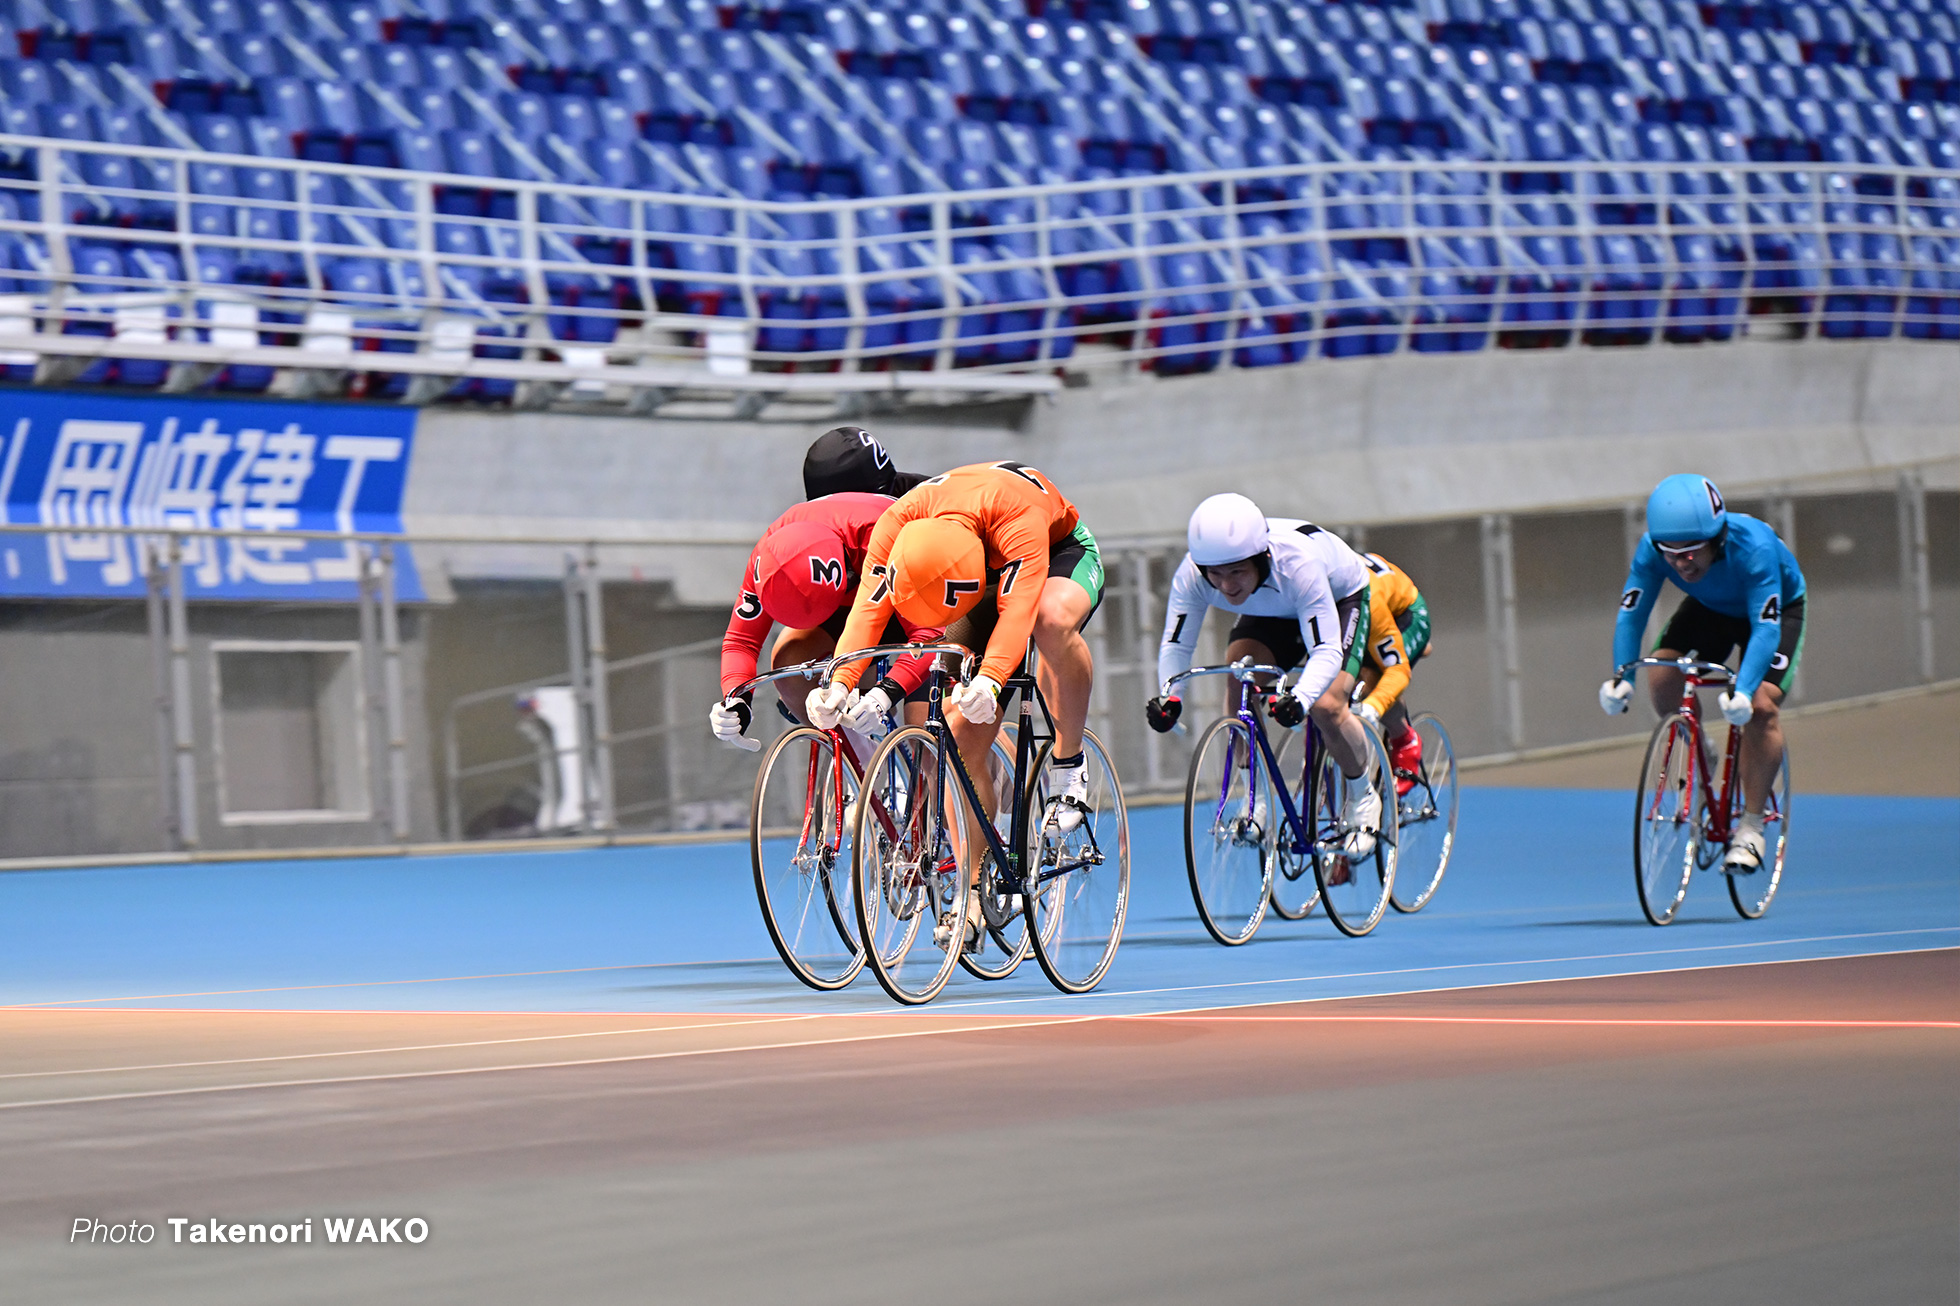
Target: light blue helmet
{"type": "Point", "coordinates": [1685, 509]}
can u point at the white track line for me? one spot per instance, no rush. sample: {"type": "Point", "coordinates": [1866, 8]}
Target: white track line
{"type": "Point", "coordinates": [368, 984]}
{"type": "Point", "coordinates": [418, 1047]}
{"type": "Point", "coordinates": [1037, 1024]}
{"type": "Point", "coordinates": [538, 1065]}
{"type": "Point", "coordinates": [1110, 994]}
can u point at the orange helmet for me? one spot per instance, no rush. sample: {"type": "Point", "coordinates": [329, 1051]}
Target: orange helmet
{"type": "Point", "coordinates": [937, 571]}
{"type": "Point", "coordinates": [801, 574]}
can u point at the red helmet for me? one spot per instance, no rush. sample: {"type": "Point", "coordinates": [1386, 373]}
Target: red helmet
{"type": "Point", "coordinates": [801, 575]}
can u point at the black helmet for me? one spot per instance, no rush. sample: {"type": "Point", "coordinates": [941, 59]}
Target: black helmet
{"type": "Point", "coordinates": [846, 458]}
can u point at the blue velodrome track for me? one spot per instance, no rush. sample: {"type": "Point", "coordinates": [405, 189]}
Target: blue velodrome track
{"type": "Point", "coordinates": [1540, 889]}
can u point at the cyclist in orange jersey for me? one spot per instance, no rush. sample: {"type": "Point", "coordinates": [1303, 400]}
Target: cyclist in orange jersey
{"type": "Point", "coordinates": [991, 531]}
{"type": "Point", "coordinates": [1398, 622]}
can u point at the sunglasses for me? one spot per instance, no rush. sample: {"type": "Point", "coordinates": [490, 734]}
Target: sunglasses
{"type": "Point", "coordinates": [1682, 550]}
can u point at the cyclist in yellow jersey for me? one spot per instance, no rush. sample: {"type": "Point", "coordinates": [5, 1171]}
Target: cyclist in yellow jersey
{"type": "Point", "coordinates": [1398, 623]}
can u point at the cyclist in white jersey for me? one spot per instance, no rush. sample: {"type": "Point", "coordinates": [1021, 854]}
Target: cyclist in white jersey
{"type": "Point", "coordinates": [1300, 595]}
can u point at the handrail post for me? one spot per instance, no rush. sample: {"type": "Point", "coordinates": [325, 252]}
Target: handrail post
{"type": "Point", "coordinates": [951, 306]}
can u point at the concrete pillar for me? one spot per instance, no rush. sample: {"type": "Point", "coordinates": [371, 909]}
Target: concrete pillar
{"type": "Point", "coordinates": [183, 734]}
{"type": "Point", "coordinates": [1147, 627]}
{"type": "Point", "coordinates": [1915, 569]}
{"type": "Point", "coordinates": [1501, 629]}
{"type": "Point", "coordinates": [599, 709]}
{"type": "Point", "coordinates": [577, 671]}
{"type": "Point", "coordinates": [1781, 512]}
{"type": "Point", "coordinates": [394, 717]}
{"type": "Point", "coordinates": [374, 729]}
{"type": "Point", "coordinates": [156, 576]}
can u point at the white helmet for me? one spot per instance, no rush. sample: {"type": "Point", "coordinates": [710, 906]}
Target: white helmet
{"type": "Point", "coordinates": [1227, 528]}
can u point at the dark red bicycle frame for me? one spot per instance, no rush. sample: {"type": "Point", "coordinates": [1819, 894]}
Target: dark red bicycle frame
{"type": "Point", "coordinates": [1717, 830]}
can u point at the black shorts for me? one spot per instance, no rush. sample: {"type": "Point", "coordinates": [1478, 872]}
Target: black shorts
{"type": "Point", "coordinates": [1713, 636]}
{"type": "Point", "coordinates": [1284, 637]}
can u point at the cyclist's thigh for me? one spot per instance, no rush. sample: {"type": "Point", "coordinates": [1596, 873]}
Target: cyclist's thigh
{"type": "Point", "coordinates": [796, 646]}
{"type": "Point", "coordinates": [1699, 629]}
{"type": "Point", "coordinates": [1077, 560]}
{"type": "Point", "coordinates": [972, 631]}
{"type": "Point", "coordinates": [1280, 636]}
{"type": "Point", "coordinates": [1065, 607]}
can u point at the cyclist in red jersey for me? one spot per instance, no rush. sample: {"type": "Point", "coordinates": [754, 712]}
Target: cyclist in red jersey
{"type": "Point", "coordinates": [802, 574]}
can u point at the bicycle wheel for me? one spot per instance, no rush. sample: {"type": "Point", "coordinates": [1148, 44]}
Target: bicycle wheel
{"type": "Point", "coordinates": [1228, 811]}
{"type": "Point", "coordinates": [1751, 893]}
{"type": "Point", "coordinates": [903, 867]}
{"type": "Point", "coordinates": [1427, 816]}
{"type": "Point", "coordinates": [1006, 946]}
{"type": "Point", "coordinates": [1354, 892]}
{"type": "Point", "coordinates": [799, 846]}
{"type": "Point", "coordinates": [1294, 890]}
{"type": "Point", "coordinates": [1082, 891]}
{"type": "Point", "coordinates": [1667, 818]}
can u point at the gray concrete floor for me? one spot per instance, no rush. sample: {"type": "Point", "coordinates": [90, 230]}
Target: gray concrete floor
{"type": "Point", "coordinates": [1511, 1145]}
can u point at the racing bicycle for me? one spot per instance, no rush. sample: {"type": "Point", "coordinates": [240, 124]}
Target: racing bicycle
{"type": "Point", "coordinates": [800, 828]}
{"type": "Point", "coordinates": [1063, 894]}
{"type": "Point", "coordinates": [1250, 840]}
{"type": "Point", "coordinates": [1685, 814]}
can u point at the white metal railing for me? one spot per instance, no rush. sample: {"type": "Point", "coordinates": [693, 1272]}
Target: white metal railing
{"type": "Point", "coordinates": [196, 262]}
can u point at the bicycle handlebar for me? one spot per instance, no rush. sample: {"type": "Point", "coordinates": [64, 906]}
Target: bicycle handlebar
{"type": "Point", "coordinates": [1242, 670]}
{"type": "Point", "coordinates": [1709, 672]}
{"type": "Point", "coordinates": [969, 660]}
{"type": "Point", "coordinates": [807, 670]}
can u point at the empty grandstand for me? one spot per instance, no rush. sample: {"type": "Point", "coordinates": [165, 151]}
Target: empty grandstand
{"type": "Point", "coordinates": [629, 200]}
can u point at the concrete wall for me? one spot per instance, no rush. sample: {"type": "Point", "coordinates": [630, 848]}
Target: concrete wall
{"type": "Point", "coordinates": [1361, 440]}
{"type": "Point", "coordinates": [78, 728]}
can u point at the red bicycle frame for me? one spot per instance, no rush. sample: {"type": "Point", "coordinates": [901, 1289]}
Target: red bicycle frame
{"type": "Point", "coordinates": [1717, 831]}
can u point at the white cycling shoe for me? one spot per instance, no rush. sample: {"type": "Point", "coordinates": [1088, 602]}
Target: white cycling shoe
{"type": "Point", "coordinates": [1363, 817]}
{"type": "Point", "coordinates": [1746, 849]}
{"type": "Point", "coordinates": [974, 934]}
{"type": "Point", "coordinates": [1067, 808]}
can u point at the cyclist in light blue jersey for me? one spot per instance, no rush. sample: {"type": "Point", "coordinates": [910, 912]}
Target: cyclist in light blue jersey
{"type": "Point", "coordinates": [1744, 590]}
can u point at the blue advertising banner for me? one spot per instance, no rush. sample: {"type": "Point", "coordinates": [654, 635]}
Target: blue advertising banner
{"type": "Point", "coordinates": [260, 468]}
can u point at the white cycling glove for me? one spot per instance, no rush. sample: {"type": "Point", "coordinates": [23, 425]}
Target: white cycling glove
{"type": "Point", "coordinates": [729, 719]}
{"type": "Point", "coordinates": [978, 700]}
{"type": "Point", "coordinates": [1736, 708]}
{"type": "Point", "coordinates": [1614, 695]}
{"type": "Point", "coordinates": [1367, 713]}
{"type": "Point", "coordinates": [826, 704]}
{"type": "Point", "coordinates": [866, 713]}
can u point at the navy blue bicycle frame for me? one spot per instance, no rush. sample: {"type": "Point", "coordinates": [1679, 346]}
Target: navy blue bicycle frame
{"type": "Point", "coordinates": [1256, 727]}
{"type": "Point", "coordinates": [1024, 743]}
